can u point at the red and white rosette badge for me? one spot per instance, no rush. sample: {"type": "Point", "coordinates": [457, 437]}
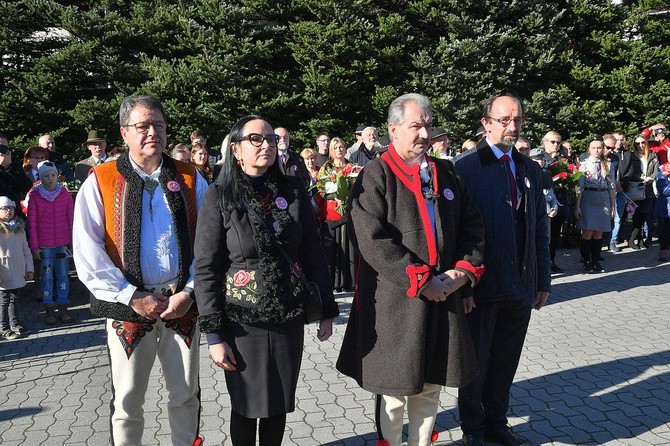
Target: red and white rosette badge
{"type": "Point", "coordinates": [173, 186]}
{"type": "Point", "coordinates": [281, 203]}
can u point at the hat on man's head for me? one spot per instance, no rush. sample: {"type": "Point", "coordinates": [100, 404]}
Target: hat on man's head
{"type": "Point", "coordinates": [536, 154]}
{"type": "Point", "coordinates": [94, 136]}
{"type": "Point", "coordinates": [4, 149]}
{"type": "Point", "coordinates": [360, 128]}
{"type": "Point", "coordinates": [480, 131]}
{"type": "Point", "coordinates": [5, 201]}
{"type": "Point", "coordinates": [44, 167]}
{"type": "Point", "coordinates": [437, 132]}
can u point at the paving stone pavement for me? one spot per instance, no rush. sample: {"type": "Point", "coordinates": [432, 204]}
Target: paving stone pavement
{"type": "Point", "coordinates": [595, 370]}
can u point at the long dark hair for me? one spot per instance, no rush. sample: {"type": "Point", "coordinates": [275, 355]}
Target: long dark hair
{"type": "Point", "coordinates": [232, 183]}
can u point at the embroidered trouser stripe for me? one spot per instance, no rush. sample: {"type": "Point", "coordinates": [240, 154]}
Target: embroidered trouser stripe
{"type": "Point", "coordinates": [421, 412]}
{"type": "Point", "coordinates": [130, 380]}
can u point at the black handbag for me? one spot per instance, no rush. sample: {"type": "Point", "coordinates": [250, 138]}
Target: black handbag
{"type": "Point", "coordinates": [312, 305]}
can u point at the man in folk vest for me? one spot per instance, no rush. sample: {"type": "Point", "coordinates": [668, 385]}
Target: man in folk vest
{"type": "Point", "coordinates": [135, 223]}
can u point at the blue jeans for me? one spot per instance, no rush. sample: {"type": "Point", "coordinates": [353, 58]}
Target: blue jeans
{"type": "Point", "coordinates": [8, 317]}
{"type": "Point", "coordinates": [55, 262]}
{"type": "Point", "coordinates": [620, 203]}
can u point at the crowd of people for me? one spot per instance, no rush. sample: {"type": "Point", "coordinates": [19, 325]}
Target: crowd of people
{"type": "Point", "coordinates": [177, 241]}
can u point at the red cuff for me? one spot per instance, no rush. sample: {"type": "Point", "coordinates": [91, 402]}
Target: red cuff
{"type": "Point", "coordinates": [477, 271]}
{"type": "Point", "coordinates": [418, 277]}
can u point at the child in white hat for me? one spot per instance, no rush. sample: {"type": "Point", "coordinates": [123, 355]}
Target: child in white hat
{"type": "Point", "coordinates": [50, 215]}
{"type": "Point", "coordinates": [16, 266]}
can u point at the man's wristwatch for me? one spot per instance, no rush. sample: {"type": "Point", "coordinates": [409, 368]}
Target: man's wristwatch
{"type": "Point", "coordinates": [188, 290]}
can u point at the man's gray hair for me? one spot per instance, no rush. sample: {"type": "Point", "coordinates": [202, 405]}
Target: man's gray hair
{"type": "Point", "coordinates": [131, 102]}
{"type": "Point", "coordinates": [397, 108]}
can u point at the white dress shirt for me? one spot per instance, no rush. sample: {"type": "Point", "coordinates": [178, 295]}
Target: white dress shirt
{"type": "Point", "coordinates": [159, 259]}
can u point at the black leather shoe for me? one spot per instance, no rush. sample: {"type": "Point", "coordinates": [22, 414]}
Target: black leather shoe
{"type": "Point", "coordinates": [473, 440]}
{"type": "Point", "coordinates": [505, 437]}
{"type": "Point", "coordinates": [556, 269]}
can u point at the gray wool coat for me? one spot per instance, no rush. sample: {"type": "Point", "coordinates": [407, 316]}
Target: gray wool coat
{"type": "Point", "coordinates": [397, 340]}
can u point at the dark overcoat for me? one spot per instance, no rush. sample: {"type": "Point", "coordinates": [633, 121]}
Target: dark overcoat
{"type": "Point", "coordinates": [397, 340]}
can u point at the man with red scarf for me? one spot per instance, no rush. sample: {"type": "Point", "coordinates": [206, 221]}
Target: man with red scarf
{"type": "Point", "coordinates": [420, 241]}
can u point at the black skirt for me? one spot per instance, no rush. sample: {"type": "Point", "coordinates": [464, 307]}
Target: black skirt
{"type": "Point", "coordinates": [268, 364]}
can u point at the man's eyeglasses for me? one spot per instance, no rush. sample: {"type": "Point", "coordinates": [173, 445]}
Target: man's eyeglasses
{"type": "Point", "coordinates": [321, 140]}
{"type": "Point", "coordinates": [256, 139]}
{"type": "Point", "coordinates": [506, 121]}
{"type": "Point", "coordinates": [554, 142]}
{"type": "Point", "coordinates": [639, 143]}
{"type": "Point", "coordinates": [143, 127]}
{"type": "Point", "coordinates": [7, 208]}
{"type": "Point", "coordinates": [609, 147]}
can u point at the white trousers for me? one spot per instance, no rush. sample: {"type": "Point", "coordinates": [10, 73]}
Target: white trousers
{"type": "Point", "coordinates": [130, 380]}
{"type": "Point", "coordinates": [421, 412]}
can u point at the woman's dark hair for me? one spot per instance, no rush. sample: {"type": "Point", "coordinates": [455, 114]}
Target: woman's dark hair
{"type": "Point", "coordinates": [232, 182]}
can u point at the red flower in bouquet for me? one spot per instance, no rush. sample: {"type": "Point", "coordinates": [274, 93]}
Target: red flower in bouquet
{"type": "Point", "coordinates": [336, 185]}
{"type": "Point", "coordinates": [564, 175]}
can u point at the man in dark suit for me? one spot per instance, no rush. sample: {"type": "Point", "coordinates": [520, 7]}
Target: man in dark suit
{"type": "Point", "coordinates": [507, 189]}
{"type": "Point", "coordinates": [97, 144]}
{"type": "Point", "coordinates": [289, 163]}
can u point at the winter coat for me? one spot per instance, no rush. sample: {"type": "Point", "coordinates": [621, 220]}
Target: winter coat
{"type": "Point", "coordinates": [231, 285]}
{"type": "Point", "coordinates": [15, 257]}
{"type": "Point", "coordinates": [50, 223]}
{"type": "Point", "coordinates": [396, 339]}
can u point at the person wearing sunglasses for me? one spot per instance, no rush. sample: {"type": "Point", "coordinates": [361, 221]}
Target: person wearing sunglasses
{"type": "Point", "coordinates": [657, 135]}
{"type": "Point", "coordinates": [135, 221]}
{"type": "Point", "coordinates": [256, 246]}
{"type": "Point", "coordinates": [638, 170]}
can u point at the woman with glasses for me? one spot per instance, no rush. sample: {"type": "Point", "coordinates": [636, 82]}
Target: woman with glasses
{"type": "Point", "coordinates": [638, 170]}
{"type": "Point", "coordinates": [256, 236]}
{"type": "Point", "coordinates": [594, 206]}
{"type": "Point", "coordinates": [33, 156]}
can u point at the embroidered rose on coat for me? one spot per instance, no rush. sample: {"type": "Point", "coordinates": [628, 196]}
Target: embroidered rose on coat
{"type": "Point", "coordinates": [241, 278]}
{"type": "Point", "coordinates": [242, 286]}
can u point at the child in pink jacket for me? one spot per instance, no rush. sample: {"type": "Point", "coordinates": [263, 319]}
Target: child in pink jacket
{"type": "Point", "coordinates": [50, 214]}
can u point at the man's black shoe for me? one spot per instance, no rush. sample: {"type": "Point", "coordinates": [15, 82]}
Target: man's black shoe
{"type": "Point", "coordinates": [556, 269]}
{"type": "Point", "coordinates": [504, 437]}
{"type": "Point", "coordinates": [472, 440]}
